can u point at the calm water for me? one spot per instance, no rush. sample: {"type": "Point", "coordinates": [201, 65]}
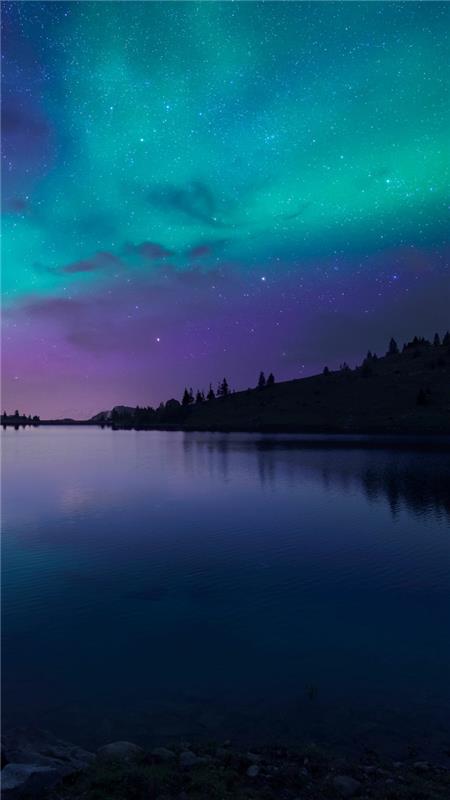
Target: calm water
{"type": "Point", "coordinates": [163, 586]}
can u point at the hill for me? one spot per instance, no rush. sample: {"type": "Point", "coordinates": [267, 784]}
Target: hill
{"type": "Point", "coordinates": [402, 392]}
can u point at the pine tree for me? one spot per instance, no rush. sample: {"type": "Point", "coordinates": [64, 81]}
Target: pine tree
{"type": "Point", "coordinates": [446, 339]}
{"type": "Point", "coordinates": [210, 395]}
{"type": "Point", "coordinates": [261, 380]}
{"type": "Point", "coordinates": [393, 348]}
{"type": "Point", "coordinates": [186, 398]}
{"type": "Point", "coordinates": [436, 340]}
{"type": "Point", "coordinates": [326, 371]}
{"type": "Point", "coordinates": [270, 380]}
{"type": "Point", "coordinates": [199, 396]}
{"type": "Point", "coordinates": [223, 389]}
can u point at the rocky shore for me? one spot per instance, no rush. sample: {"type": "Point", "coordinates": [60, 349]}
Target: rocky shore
{"type": "Point", "coordinates": [38, 766]}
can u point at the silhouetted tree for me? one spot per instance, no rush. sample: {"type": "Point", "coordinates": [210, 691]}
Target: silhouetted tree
{"type": "Point", "coordinates": [437, 340]}
{"type": "Point", "coordinates": [446, 339]}
{"type": "Point", "coordinates": [188, 397]}
{"type": "Point", "coordinates": [185, 399]}
{"type": "Point", "coordinates": [270, 380]}
{"type": "Point", "coordinates": [36, 419]}
{"type": "Point", "coordinates": [326, 371]}
{"type": "Point", "coordinates": [344, 367]}
{"type": "Point", "coordinates": [223, 390]}
{"type": "Point", "coordinates": [261, 380]}
{"type": "Point", "coordinates": [16, 413]}
{"type": "Point", "coordinates": [393, 348]}
{"type": "Point", "coordinates": [199, 397]}
{"type": "Point", "coordinates": [211, 395]}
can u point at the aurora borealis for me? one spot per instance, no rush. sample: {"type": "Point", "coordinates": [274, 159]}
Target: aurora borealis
{"type": "Point", "coordinates": [192, 190]}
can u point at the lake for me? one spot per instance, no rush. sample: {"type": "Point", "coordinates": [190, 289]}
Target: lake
{"type": "Point", "coordinates": [162, 586]}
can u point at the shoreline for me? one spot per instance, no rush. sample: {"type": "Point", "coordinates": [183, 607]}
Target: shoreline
{"type": "Point", "coordinates": [39, 765]}
{"type": "Point", "coordinates": [370, 438]}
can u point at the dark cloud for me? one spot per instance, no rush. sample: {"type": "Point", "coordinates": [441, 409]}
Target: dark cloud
{"type": "Point", "coordinates": [194, 200]}
{"type": "Point", "coordinates": [99, 261]}
{"type": "Point", "coordinates": [14, 205]}
{"type": "Point", "coordinates": [300, 210]}
{"type": "Point", "coordinates": [149, 250]}
{"type": "Point", "coordinates": [127, 318]}
{"type": "Point", "coordinates": [54, 307]}
{"type": "Point", "coordinates": [204, 249]}
{"type": "Point", "coordinates": [21, 120]}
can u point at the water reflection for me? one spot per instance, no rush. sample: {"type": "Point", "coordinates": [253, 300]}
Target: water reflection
{"type": "Point", "coordinates": [186, 585]}
{"type": "Point", "coordinates": [419, 478]}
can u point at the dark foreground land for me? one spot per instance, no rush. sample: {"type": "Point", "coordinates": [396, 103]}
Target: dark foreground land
{"type": "Point", "coordinates": [38, 766]}
{"type": "Point", "coordinates": [407, 392]}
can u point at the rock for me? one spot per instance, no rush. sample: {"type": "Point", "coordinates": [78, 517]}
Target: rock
{"type": "Point", "coordinates": [28, 780]}
{"type": "Point", "coordinates": [119, 751]}
{"type": "Point", "coordinates": [422, 766]}
{"type": "Point", "coordinates": [254, 758]}
{"type": "Point", "coordinates": [188, 759]}
{"type": "Point", "coordinates": [40, 747]}
{"type": "Point", "coordinates": [163, 754]}
{"type": "Point", "coordinates": [253, 771]}
{"type": "Point", "coordinates": [222, 754]}
{"type": "Point", "coordinates": [346, 786]}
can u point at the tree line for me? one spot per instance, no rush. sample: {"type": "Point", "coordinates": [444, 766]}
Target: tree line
{"type": "Point", "coordinates": [415, 346]}
{"type": "Point", "coordinates": [19, 419]}
{"type": "Point", "coordinates": [223, 390]}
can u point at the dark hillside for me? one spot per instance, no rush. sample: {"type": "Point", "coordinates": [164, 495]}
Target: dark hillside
{"type": "Point", "coordinates": [402, 392]}
{"type": "Point", "coordinates": [405, 392]}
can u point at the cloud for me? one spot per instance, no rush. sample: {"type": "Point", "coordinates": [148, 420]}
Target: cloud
{"type": "Point", "coordinates": [126, 318]}
{"type": "Point", "coordinates": [14, 205]}
{"type": "Point", "coordinates": [204, 249]}
{"type": "Point", "coordinates": [193, 200]}
{"type": "Point", "coordinates": [21, 120]}
{"type": "Point", "coordinates": [53, 307]}
{"type": "Point", "coordinates": [99, 261]}
{"type": "Point", "coordinates": [148, 250]}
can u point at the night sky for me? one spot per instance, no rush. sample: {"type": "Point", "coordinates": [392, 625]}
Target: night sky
{"type": "Point", "coordinates": [193, 190]}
